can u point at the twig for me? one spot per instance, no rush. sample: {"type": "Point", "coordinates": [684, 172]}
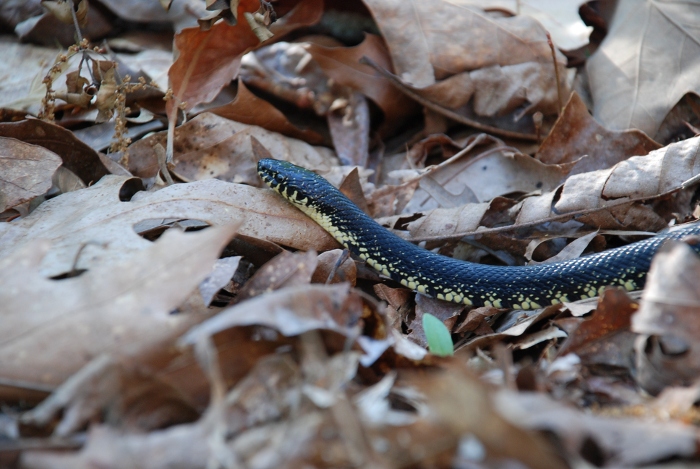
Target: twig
{"type": "Point", "coordinates": [556, 73]}
{"type": "Point", "coordinates": [75, 21]}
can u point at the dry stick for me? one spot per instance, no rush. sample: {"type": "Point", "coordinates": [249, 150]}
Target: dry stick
{"type": "Point", "coordinates": [75, 21]}
{"type": "Point", "coordinates": [692, 181]}
{"type": "Point", "coordinates": [556, 73]}
{"type": "Point", "coordinates": [441, 110]}
{"type": "Point", "coordinates": [338, 262]}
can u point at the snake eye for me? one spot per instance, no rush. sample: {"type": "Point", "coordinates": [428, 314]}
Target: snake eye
{"type": "Point", "coordinates": [279, 178]}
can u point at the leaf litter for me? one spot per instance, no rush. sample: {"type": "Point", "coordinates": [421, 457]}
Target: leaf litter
{"type": "Point", "coordinates": [160, 308]}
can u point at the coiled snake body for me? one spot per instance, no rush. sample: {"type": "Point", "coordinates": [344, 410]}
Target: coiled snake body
{"type": "Point", "coordinates": [520, 287]}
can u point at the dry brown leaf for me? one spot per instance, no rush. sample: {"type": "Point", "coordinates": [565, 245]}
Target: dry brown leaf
{"type": "Point", "coordinates": [206, 61]}
{"type": "Point", "coordinates": [291, 311]}
{"type": "Point", "coordinates": [639, 73]}
{"type": "Point", "coordinates": [264, 389]}
{"type": "Point", "coordinates": [49, 30]}
{"type": "Point", "coordinates": [22, 72]}
{"type": "Point", "coordinates": [668, 354]}
{"type": "Point", "coordinates": [304, 13]}
{"type": "Point", "coordinates": [249, 109]}
{"type": "Point", "coordinates": [613, 442]}
{"type": "Point", "coordinates": [285, 270]}
{"type": "Point", "coordinates": [342, 64]}
{"type": "Point", "coordinates": [470, 66]}
{"type": "Point", "coordinates": [349, 124]}
{"type": "Point", "coordinates": [138, 400]}
{"type": "Point", "coordinates": [605, 194]}
{"type": "Point", "coordinates": [605, 338]}
{"type": "Point", "coordinates": [460, 405]}
{"type": "Point", "coordinates": [559, 17]}
{"type": "Point", "coordinates": [116, 308]}
{"type": "Point", "coordinates": [577, 136]}
{"type": "Point", "coordinates": [25, 171]}
{"type": "Point", "coordinates": [211, 146]}
{"type": "Point", "coordinates": [76, 155]}
{"type": "Point", "coordinates": [95, 219]}
{"type": "Point", "coordinates": [427, 42]}
{"type": "Point", "coordinates": [493, 173]}
{"type": "Point", "coordinates": [219, 277]}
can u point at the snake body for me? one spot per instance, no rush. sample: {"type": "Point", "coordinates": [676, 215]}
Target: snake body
{"type": "Point", "coordinates": [520, 287]}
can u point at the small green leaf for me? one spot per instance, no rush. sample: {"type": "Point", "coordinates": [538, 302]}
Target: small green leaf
{"type": "Point", "coordinates": [439, 339]}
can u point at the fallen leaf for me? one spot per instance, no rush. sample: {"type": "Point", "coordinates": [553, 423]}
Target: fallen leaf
{"type": "Point", "coordinates": [605, 338]}
{"type": "Point", "coordinates": [636, 76]}
{"type": "Point", "coordinates": [291, 311]}
{"type": "Point", "coordinates": [212, 146]}
{"type": "Point", "coordinates": [76, 155]}
{"type": "Point", "coordinates": [121, 308]}
{"type": "Point", "coordinates": [249, 109]}
{"type": "Point", "coordinates": [602, 198]}
{"type": "Point", "coordinates": [285, 270]}
{"type": "Point", "coordinates": [342, 64]}
{"type": "Point", "coordinates": [560, 18]}
{"type": "Point", "coordinates": [577, 137]}
{"type": "Point", "coordinates": [615, 442]}
{"type": "Point", "coordinates": [219, 277]}
{"type": "Point", "coordinates": [667, 354]}
{"type": "Point", "coordinates": [328, 263]}
{"type": "Point", "coordinates": [25, 171]}
{"type": "Point", "coordinates": [206, 61]}
{"type": "Point", "coordinates": [98, 226]}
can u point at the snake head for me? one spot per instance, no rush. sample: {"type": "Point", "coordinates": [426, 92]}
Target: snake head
{"type": "Point", "coordinates": [296, 184]}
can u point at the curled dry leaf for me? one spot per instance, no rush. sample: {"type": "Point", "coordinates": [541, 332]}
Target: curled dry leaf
{"type": "Point", "coordinates": [96, 224]}
{"type": "Point", "coordinates": [669, 318]}
{"type": "Point", "coordinates": [103, 309]}
{"type": "Point", "coordinates": [342, 64]}
{"type": "Point", "coordinates": [249, 109]}
{"type": "Point", "coordinates": [219, 277]}
{"type": "Point", "coordinates": [25, 171]}
{"type": "Point", "coordinates": [212, 146]}
{"type": "Point", "coordinates": [304, 13]}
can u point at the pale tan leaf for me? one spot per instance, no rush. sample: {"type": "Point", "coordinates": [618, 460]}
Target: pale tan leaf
{"type": "Point", "coordinates": [116, 308]}
{"type": "Point", "coordinates": [291, 311]}
{"type": "Point", "coordinates": [96, 220]}
{"type": "Point", "coordinates": [559, 17]}
{"type": "Point", "coordinates": [640, 72]}
{"type": "Point", "coordinates": [211, 146]}
{"type": "Point", "coordinates": [25, 171]}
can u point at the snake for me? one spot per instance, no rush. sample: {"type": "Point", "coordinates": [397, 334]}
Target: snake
{"type": "Point", "coordinates": [445, 278]}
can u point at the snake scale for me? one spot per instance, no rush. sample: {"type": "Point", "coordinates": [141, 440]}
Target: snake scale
{"type": "Point", "coordinates": [519, 287]}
